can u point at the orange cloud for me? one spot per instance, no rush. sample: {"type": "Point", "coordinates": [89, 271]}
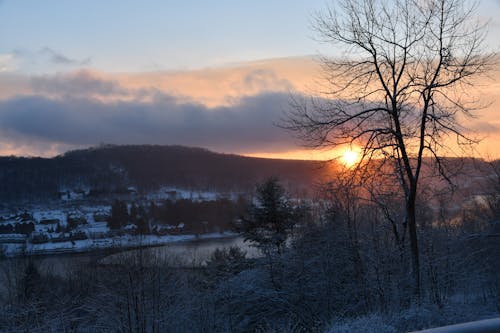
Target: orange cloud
{"type": "Point", "coordinates": [216, 88]}
{"type": "Point", "coordinates": [222, 86]}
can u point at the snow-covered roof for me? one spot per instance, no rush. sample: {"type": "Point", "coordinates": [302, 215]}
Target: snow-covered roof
{"type": "Point", "coordinates": [130, 227]}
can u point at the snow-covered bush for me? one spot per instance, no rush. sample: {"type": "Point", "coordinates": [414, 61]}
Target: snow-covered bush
{"type": "Point", "coordinates": [367, 324]}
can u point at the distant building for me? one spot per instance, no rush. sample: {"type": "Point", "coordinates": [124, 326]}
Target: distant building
{"type": "Point", "coordinates": [167, 229]}
{"type": "Point", "coordinates": [49, 221]}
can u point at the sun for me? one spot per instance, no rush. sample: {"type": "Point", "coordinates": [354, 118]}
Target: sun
{"type": "Point", "coordinates": [350, 157]}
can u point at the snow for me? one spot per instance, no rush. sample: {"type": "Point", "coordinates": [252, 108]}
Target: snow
{"type": "Point", "coordinates": [12, 238]}
{"type": "Point", "coordinates": [483, 326]}
{"type": "Point", "coordinates": [12, 249]}
{"type": "Point", "coordinates": [77, 194]}
{"type": "Point", "coordinates": [45, 227]}
{"type": "Point", "coordinates": [49, 214]}
{"type": "Point", "coordinates": [125, 241]}
{"type": "Point", "coordinates": [99, 227]}
{"type": "Point", "coordinates": [173, 193]}
{"type": "Point", "coordinates": [130, 226]}
{"type": "Point", "coordinates": [49, 241]}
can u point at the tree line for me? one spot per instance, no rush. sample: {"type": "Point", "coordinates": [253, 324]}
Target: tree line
{"type": "Point", "coordinates": [186, 215]}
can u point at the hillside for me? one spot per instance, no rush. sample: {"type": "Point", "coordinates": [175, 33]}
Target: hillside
{"type": "Point", "coordinates": [111, 169]}
{"type": "Point", "coordinates": [108, 169]}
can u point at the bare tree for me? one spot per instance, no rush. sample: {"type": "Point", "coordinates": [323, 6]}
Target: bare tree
{"type": "Point", "coordinates": [400, 88]}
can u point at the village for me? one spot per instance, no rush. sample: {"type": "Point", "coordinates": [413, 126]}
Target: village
{"type": "Point", "coordinates": [76, 224]}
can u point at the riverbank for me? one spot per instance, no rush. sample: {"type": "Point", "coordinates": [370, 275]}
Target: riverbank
{"type": "Point", "coordinates": [103, 244]}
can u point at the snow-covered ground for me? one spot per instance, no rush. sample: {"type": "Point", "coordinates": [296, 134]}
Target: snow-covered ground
{"type": "Point", "coordinates": [483, 326]}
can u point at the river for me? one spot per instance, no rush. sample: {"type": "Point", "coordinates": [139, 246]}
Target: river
{"type": "Point", "coordinates": [180, 254]}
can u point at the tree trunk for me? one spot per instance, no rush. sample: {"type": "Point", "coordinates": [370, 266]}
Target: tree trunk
{"type": "Point", "coordinates": [415, 257]}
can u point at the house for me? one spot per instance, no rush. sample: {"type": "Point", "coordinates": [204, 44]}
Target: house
{"type": "Point", "coordinates": [167, 229]}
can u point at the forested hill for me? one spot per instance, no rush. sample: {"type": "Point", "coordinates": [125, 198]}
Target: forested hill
{"type": "Point", "coordinates": [107, 169]}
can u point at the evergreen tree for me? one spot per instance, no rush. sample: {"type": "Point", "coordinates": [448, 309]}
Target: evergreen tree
{"type": "Point", "coordinates": [134, 213]}
{"type": "Point", "coordinates": [139, 216]}
{"type": "Point", "coordinates": [270, 219]}
{"type": "Point", "coordinates": [119, 215]}
{"type": "Point", "coordinates": [30, 281]}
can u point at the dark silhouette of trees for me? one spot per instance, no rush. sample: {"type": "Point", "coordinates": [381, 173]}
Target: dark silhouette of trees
{"type": "Point", "coordinates": [198, 216]}
{"type": "Point", "coordinates": [399, 90]}
{"type": "Point", "coordinates": [109, 171]}
{"type": "Point", "coordinates": [6, 229]}
{"type": "Point", "coordinates": [140, 217]}
{"type": "Point", "coordinates": [270, 219]}
{"type": "Point", "coordinates": [30, 281]}
{"type": "Point", "coordinates": [24, 228]}
{"type": "Point", "coordinates": [119, 215]}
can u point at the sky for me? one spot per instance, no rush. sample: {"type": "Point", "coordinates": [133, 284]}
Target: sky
{"type": "Point", "coordinates": [217, 74]}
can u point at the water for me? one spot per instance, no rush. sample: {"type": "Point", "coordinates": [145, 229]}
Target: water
{"type": "Point", "coordinates": [183, 254]}
{"type": "Point", "coordinates": [180, 254]}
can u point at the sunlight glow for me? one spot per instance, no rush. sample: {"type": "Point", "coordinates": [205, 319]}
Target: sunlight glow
{"type": "Point", "coordinates": [350, 157]}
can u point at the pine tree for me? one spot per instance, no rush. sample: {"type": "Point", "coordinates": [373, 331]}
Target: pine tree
{"type": "Point", "coordinates": [270, 218]}
{"type": "Point", "coordinates": [119, 215]}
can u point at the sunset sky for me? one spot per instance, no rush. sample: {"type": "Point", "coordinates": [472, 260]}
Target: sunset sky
{"type": "Point", "coordinates": [215, 74]}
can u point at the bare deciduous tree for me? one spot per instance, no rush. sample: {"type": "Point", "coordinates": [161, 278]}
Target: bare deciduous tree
{"type": "Point", "coordinates": [400, 89]}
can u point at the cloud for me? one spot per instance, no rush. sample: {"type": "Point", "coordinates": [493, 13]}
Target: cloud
{"type": "Point", "coordinates": [223, 85]}
{"type": "Point", "coordinates": [211, 86]}
{"type": "Point", "coordinates": [33, 148]}
{"type": "Point", "coordinates": [484, 127]}
{"type": "Point", "coordinates": [60, 59]}
{"type": "Point", "coordinates": [264, 79]}
{"type": "Point", "coordinates": [80, 83]}
{"type": "Point", "coordinates": [7, 62]}
{"type": "Point", "coordinates": [244, 127]}
{"type": "Point", "coordinates": [229, 109]}
{"type": "Point", "coordinates": [25, 60]}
